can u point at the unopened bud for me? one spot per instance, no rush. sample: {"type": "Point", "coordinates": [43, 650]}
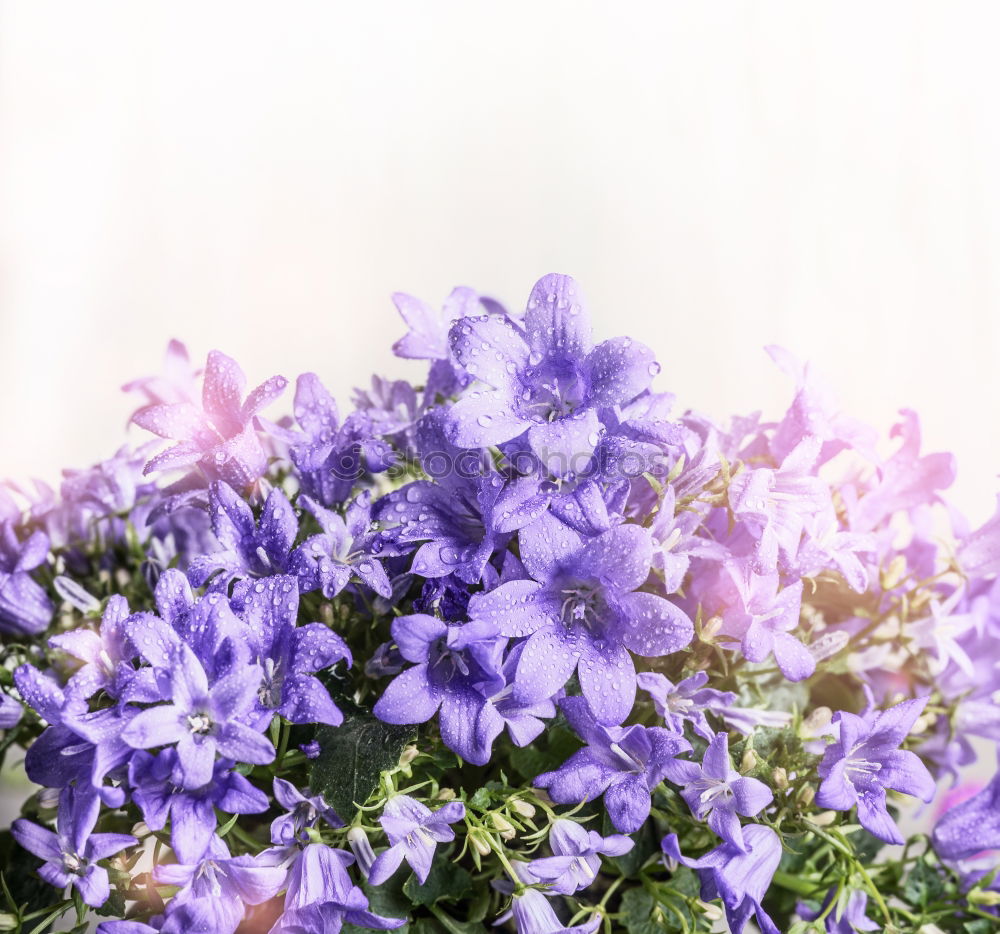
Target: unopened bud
{"type": "Point", "coordinates": [806, 795]}
{"type": "Point", "coordinates": [9, 922]}
{"type": "Point", "coordinates": [141, 830]}
{"type": "Point", "coordinates": [712, 912]}
{"type": "Point", "coordinates": [817, 722]}
{"type": "Point", "coordinates": [522, 808]}
{"type": "Point", "coordinates": [750, 761]}
{"type": "Point", "coordinates": [984, 897]}
{"type": "Point", "coordinates": [506, 828]}
{"type": "Point", "coordinates": [823, 819]}
{"type": "Point", "coordinates": [357, 839]}
{"type": "Point", "coordinates": [780, 778]}
{"type": "Point", "coordinates": [710, 628]}
{"type": "Point", "coordinates": [409, 754]}
{"type": "Point", "coordinates": [893, 573]}
{"type": "Point", "coordinates": [479, 844]}
{"type": "Point", "coordinates": [446, 794]}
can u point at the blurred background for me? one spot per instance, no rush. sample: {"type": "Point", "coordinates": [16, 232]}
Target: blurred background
{"type": "Point", "coordinates": [260, 177]}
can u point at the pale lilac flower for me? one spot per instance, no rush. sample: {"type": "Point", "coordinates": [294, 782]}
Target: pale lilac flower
{"type": "Point", "coordinates": [624, 764]}
{"type": "Point", "coordinates": [846, 917]}
{"type": "Point", "coordinates": [321, 897]}
{"type": "Point", "coordinates": [414, 831]}
{"type": "Point", "coordinates": [220, 434]}
{"type": "Point", "coordinates": [72, 853]}
{"type": "Point", "coordinates": [716, 792]}
{"type": "Point", "coordinates": [584, 612]}
{"type": "Point", "coordinates": [739, 877]}
{"type": "Point", "coordinates": [533, 914]}
{"type": "Point", "coordinates": [25, 609]}
{"type": "Point", "coordinates": [576, 858]}
{"type": "Point", "coordinates": [971, 826]}
{"type": "Point", "coordinates": [203, 719]}
{"type": "Point", "coordinates": [866, 760]}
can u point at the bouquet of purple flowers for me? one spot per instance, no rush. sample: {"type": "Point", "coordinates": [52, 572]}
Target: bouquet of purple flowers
{"type": "Point", "coordinates": [516, 646]}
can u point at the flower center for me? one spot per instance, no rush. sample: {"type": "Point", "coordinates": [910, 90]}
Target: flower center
{"type": "Point", "coordinates": [199, 723]}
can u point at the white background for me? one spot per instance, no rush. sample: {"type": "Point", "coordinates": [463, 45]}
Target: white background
{"type": "Point", "coordinates": [719, 176]}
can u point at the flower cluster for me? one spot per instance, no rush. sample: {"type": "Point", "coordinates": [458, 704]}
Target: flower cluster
{"type": "Point", "coordinates": [520, 644]}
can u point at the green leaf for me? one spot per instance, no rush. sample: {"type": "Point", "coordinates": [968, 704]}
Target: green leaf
{"type": "Point", "coordinates": [445, 924]}
{"type": "Point", "coordinates": [923, 885]}
{"type": "Point", "coordinates": [646, 845]}
{"type": "Point", "coordinates": [445, 882]}
{"type": "Point", "coordinates": [386, 900]}
{"type": "Point", "coordinates": [640, 914]}
{"type": "Point", "coordinates": [353, 756]}
{"type": "Point", "coordinates": [114, 907]}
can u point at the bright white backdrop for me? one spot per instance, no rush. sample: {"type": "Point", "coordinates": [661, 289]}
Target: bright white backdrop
{"type": "Point", "coordinates": [719, 176]}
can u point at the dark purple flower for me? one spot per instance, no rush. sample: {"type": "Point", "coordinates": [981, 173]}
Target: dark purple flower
{"type": "Point", "coordinates": [866, 760]}
{"type": "Point", "coordinates": [576, 858]}
{"type": "Point", "coordinates": [203, 719]}
{"type": "Point", "coordinates": [221, 884]}
{"type": "Point", "coordinates": [739, 877]}
{"type": "Point", "coordinates": [346, 548]}
{"type": "Point", "coordinates": [72, 853]}
{"type": "Point", "coordinates": [624, 764]}
{"type": "Point", "coordinates": [547, 380]}
{"type": "Point", "coordinates": [220, 435]}
{"type": "Point", "coordinates": [456, 670]}
{"type": "Point", "coordinates": [159, 792]}
{"type": "Point", "coordinates": [248, 548]}
{"type": "Point", "coordinates": [414, 831]}
{"type": "Point", "coordinates": [716, 792]}
{"type": "Point", "coordinates": [584, 612]}
{"type": "Point", "coordinates": [304, 812]}
{"type": "Point", "coordinates": [971, 826]}
{"type": "Point", "coordinates": [25, 609]}
{"type": "Point", "coordinates": [11, 712]}
{"type": "Point", "coordinates": [321, 897]}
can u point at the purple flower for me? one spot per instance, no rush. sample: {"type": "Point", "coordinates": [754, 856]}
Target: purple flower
{"type": "Point", "coordinates": [979, 551]}
{"type": "Point", "coordinates": [347, 547]}
{"type": "Point", "coordinates": [329, 457]}
{"type": "Point", "coordinates": [177, 383]}
{"type": "Point", "coordinates": [289, 686]}
{"type": "Point", "coordinates": [25, 610]}
{"type": "Point", "coordinates": [717, 792]}
{"type": "Point", "coordinates": [583, 612]}
{"type": "Point", "coordinates": [762, 617]}
{"type": "Point", "coordinates": [106, 655]}
{"type": "Point", "coordinates": [321, 897]}
{"type": "Point", "coordinates": [847, 916]}
{"type": "Point", "coordinates": [304, 812]}
{"type": "Point", "coordinates": [201, 719]}
{"type": "Point", "coordinates": [71, 853]}
{"type": "Point", "coordinates": [220, 435]}
{"type": "Point", "coordinates": [248, 548]}
{"type": "Point", "coordinates": [456, 671]}
{"type": "Point", "coordinates": [773, 505]}
{"type": "Point", "coordinates": [11, 712]}
{"type": "Point", "coordinates": [414, 831]}
{"type": "Point", "coordinates": [739, 877]}
{"type": "Point", "coordinates": [865, 761]}
{"type": "Point", "coordinates": [685, 702]}
{"type": "Point", "coordinates": [624, 764]}
{"type": "Point", "coordinates": [576, 858]}
{"type": "Point", "coordinates": [971, 826]}
{"type": "Point", "coordinates": [533, 914]}
{"type": "Point", "coordinates": [547, 379]}
{"type": "Point", "coordinates": [158, 790]}
{"type": "Point", "coordinates": [221, 885]}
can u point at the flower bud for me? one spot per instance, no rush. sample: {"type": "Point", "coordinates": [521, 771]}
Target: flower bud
{"type": "Point", "coordinates": [522, 808]}
{"type": "Point", "coordinates": [823, 819]}
{"type": "Point", "coordinates": [9, 922]}
{"type": "Point", "coordinates": [409, 754]}
{"type": "Point", "coordinates": [141, 830]}
{"type": "Point", "coordinates": [984, 897]}
{"type": "Point", "coordinates": [479, 844]}
{"type": "Point", "coordinates": [506, 828]}
{"type": "Point", "coordinates": [780, 778]}
{"type": "Point", "coordinates": [805, 796]}
{"type": "Point", "coordinates": [710, 628]}
{"type": "Point", "coordinates": [358, 841]}
{"type": "Point", "coordinates": [893, 574]}
{"type": "Point", "coordinates": [446, 794]}
{"type": "Point", "coordinates": [750, 761]}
